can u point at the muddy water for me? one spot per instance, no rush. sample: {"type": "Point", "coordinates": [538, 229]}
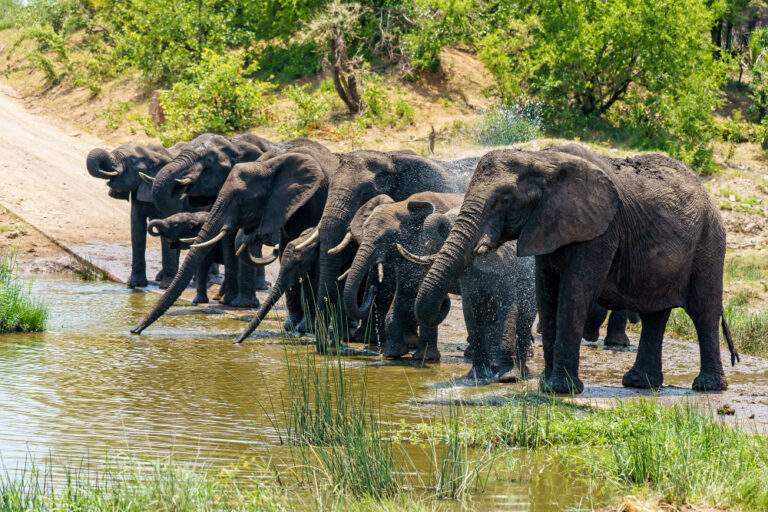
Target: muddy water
{"type": "Point", "coordinates": [87, 388]}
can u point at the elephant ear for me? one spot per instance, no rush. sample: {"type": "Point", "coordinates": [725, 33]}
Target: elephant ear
{"type": "Point", "coordinates": [364, 212]}
{"type": "Point", "coordinates": [578, 204]}
{"type": "Point", "coordinates": [418, 211]}
{"type": "Point", "coordinates": [296, 178]}
{"type": "Point", "coordinates": [144, 192]}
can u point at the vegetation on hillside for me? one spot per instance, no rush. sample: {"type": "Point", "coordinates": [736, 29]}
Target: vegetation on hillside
{"type": "Point", "coordinates": [596, 69]}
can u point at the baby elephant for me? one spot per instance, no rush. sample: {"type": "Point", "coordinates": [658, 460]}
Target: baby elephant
{"type": "Point", "coordinates": [183, 227]}
{"type": "Point", "coordinates": [498, 300]}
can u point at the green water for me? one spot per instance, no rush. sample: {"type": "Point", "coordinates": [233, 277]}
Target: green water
{"type": "Point", "coordinates": [86, 389]}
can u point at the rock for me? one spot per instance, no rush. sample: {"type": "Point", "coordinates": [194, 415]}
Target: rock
{"type": "Point", "coordinates": [751, 227]}
{"type": "Point", "coordinates": [726, 410]}
{"type": "Point", "coordinates": [731, 197]}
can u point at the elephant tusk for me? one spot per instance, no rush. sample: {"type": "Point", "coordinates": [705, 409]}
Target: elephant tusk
{"type": "Point", "coordinates": [381, 272]}
{"type": "Point", "coordinates": [147, 178]}
{"type": "Point", "coordinates": [210, 242]}
{"type": "Point", "coordinates": [260, 262]}
{"type": "Point", "coordinates": [482, 250]}
{"type": "Point", "coordinates": [188, 240]}
{"type": "Point", "coordinates": [240, 249]}
{"type": "Point", "coordinates": [110, 173]}
{"type": "Point", "coordinates": [306, 243]}
{"type": "Point", "coordinates": [419, 260]}
{"type": "Point", "coordinates": [184, 181]}
{"type": "Point", "coordinates": [342, 245]}
{"type": "Point", "coordinates": [344, 275]}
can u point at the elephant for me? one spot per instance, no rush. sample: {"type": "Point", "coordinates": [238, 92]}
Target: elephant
{"type": "Point", "coordinates": [643, 235]}
{"type": "Point", "coordinates": [384, 223]}
{"type": "Point", "coordinates": [498, 301]}
{"type": "Point", "coordinates": [121, 167]}
{"type": "Point", "coordinates": [272, 199]}
{"type": "Point", "coordinates": [179, 228]}
{"type": "Point", "coordinates": [617, 323]}
{"type": "Point", "coordinates": [361, 176]}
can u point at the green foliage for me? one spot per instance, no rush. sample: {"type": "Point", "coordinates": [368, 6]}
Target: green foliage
{"type": "Point", "coordinates": [607, 59]}
{"type": "Point", "coordinates": [309, 111]}
{"type": "Point", "coordinates": [511, 124]}
{"type": "Point", "coordinates": [438, 23]}
{"type": "Point", "coordinates": [287, 63]}
{"type": "Point", "coordinates": [758, 65]}
{"type": "Point", "coordinates": [19, 311]}
{"type": "Point", "coordinates": [217, 97]}
{"type": "Point", "coordinates": [49, 52]}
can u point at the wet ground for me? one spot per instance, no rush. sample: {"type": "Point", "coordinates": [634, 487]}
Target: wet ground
{"type": "Point", "coordinates": [87, 388]}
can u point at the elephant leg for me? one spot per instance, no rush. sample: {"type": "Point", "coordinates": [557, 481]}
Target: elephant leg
{"type": "Point", "coordinates": [547, 284]}
{"type": "Point", "coordinates": [427, 351]}
{"type": "Point", "coordinates": [202, 280]}
{"type": "Point", "coordinates": [595, 319]}
{"type": "Point", "coordinates": [646, 372]}
{"type": "Point", "coordinates": [513, 354]}
{"type": "Point", "coordinates": [396, 330]}
{"type": "Point", "coordinates": [705, 309]}
{"type": "Point", "coordinates": [138, 276]}
{"type": "Point", "coordinates": [228, 290]}
{"type": "Point", "coordinates": [293, 305]}
{"type": "Point", "coordinates": [246, 284]}
{"type": "Point", "coordinates": [170, 263]}
{"type": "Point", "coordinates": [617, 326]}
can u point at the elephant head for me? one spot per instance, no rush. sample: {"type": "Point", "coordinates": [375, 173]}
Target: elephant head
{"type": "Point", "coordinates": [193, 178]}
{"type": "Point", "coordinates": [259, 197]}
{"type": "Point", "coordinates": [122, 166]}
{"type": "Point", "coordinates": [178, 227]}
{"type": "Point", "coordinates": [361, 176]}
{"type": "Point", "coordinates": [297, 263]}
{"type": "Point", "coordinates": [544, 200]}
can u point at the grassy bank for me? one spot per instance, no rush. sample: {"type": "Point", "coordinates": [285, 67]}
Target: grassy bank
{"type": "Point", "coordinates": [19, 311]}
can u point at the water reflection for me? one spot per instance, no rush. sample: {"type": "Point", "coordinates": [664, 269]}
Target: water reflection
{"type": "Point", "coordinates": [87, 387]}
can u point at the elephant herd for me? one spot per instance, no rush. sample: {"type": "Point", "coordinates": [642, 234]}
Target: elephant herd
{"type": "Point", "coordinates": [370, 244]}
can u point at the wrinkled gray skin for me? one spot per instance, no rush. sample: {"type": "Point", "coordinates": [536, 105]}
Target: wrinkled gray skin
{"type": "Point", "coordinates": [187, 225]}
{"type": "Point", "coordinates": [271, 199]}
{"type": "Point", "coordinates": [642, 235]}
{"type": "Point", "coordinates": [498, 300]}
{"type": "Point", "coordinates": [361, 176]}
{"type": "Point", "coordinates": [192, 181]}
{"type": "Point", "coordinates": [379, 225]}
{"type": "Point", "coordinates": [298, 269]}
{"type": "Point", "coordinates": [127, 161]}
{"type": "Point", "coordinates": [616, 335]}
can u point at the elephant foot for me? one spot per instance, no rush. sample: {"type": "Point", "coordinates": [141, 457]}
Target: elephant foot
{"type": "Point", "coordinates": [200, 299]}
{"type": "Point", "coordinates": [616, 340]}
{"type": "Point", "coordinates": [160, 275]}
{"type": "Point", "coordinates": [137, 281]}
{"type": "Point", "coordinates": [514, 374]}
{"type": "Point", "coordinates": [165, 282]}
{"type": "Point", "coordinates": [710, 382]}
{"type": "Point", "coordinates": [635, 378]}
{"type": "Point", "coordinates": [291, 323]}
{"type": "Point", "coordinates": [481, 373]}
{"type": "Point", "coordinates": [262, 285]}
{"type": "Point", "coordinates": [561, 383]}
{"type": "Point", "coordinates": [304, 326]}
{"type": "Point", "coordinates": [396, 350]}
{"type": "Point", "coordinates": [468, 351]}
{"type": "Point", "coordinates": [244, 302]}
{"type": "Point", "coordinates": [591, 335]}
{"type": "Point", "coordinates": [428, 355]}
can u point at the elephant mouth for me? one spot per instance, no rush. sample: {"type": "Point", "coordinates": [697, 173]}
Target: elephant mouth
{"type": "Point", "coordinates": [201, 201]}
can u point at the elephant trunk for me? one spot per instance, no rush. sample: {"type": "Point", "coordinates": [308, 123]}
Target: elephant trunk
{"type": "Point", "coordinates": [153, 227]}
{"type": "Point", "coordinates": [431, 305]}
{"type": "Point", "coordinates": [332, 229]}
{"type": "Point", "coordinates": [101, 164]}
{"type": "Point", "coordinates": [266, 306]}
{"type": "Point", "coordinates": [366, 257]}
{"type": "Point", "coordinates": [213, 226]}
{"type": "Point", "coordinates": [166, 191]}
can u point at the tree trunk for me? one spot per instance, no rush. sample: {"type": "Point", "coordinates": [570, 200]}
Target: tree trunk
{"type": "Point", "coordinates": [343, 77]}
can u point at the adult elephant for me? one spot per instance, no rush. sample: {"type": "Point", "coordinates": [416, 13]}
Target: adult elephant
{"type": "Point", "coordinates": [361, 176]}
{"type": "Point", "coordinates": [643, 236]}
{"type": "Point", "coordinates": [274, 199]}
{"type": "Point", "coordinates": [121, 168]}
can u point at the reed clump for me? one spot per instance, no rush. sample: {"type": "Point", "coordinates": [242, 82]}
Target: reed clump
{"type": "Point", "coordinates": [19, 311]}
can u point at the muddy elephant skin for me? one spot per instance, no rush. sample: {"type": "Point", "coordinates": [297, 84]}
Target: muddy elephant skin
{"type": "Point", "coordinates": [383, 224]}
{"type": "Point", "coordinates": [273, 198]}
{"type": "Point", "coordinates": [642, 235]}
{"type": "Point", "coordinates": [121, 168]}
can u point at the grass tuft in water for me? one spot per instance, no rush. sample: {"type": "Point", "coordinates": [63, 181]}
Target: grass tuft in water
{"type": "Point", "coordinates": [19, 311]}
{"type": "Point", "coordinates": [87, 271]}
{"type": "Point", "coordinates": [132, 486]}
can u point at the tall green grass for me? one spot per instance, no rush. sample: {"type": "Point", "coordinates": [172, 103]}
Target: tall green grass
{"type": "Point", "coordinates": [19, 311]}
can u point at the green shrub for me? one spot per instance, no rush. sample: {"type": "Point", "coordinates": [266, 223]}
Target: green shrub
{"type": "Point", "coordinates": [287, 63]}
{"type": "Point", "coordinates": [216, 98]}
{"type": "Point", "coordinates": [19, 312]}
{"type": "Point", "coordinates": [310, 109]}
{"type": "Point", "coordinates": [511, 124]}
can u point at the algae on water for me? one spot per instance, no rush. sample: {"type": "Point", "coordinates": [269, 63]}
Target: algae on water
{"type": "Point", "coordinates": [19, 311]}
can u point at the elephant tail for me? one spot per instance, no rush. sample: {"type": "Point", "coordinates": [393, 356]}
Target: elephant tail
{"type": "Point", "coordinates": [727, 332]}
